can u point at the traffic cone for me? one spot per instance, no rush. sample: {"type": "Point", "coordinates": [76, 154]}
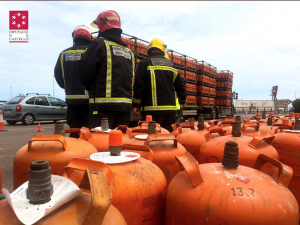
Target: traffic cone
{"type": "Point", "coordinates": [39, 128]}
{"type": "Point", "coordinates": [2, 122]}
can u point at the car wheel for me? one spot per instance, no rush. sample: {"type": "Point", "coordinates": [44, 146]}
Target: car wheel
{"type": "Point", "coordinates": [28, 119]}
{"type": "Point", "coordinates": [11, 122]}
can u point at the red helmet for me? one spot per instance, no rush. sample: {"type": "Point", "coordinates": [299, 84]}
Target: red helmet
{"type": "Point", "coordinates": [83, 31]}
{"type": "Point", "coordinates": [107, 20]}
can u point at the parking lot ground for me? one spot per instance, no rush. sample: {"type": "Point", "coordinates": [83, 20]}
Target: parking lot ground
{"type": "Point", "coordinates": [13, 139]}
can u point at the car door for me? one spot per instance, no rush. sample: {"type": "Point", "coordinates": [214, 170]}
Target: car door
{"type": "Point", "coordinates": [58, 111]}
{"type": "Point", "coordinates": [42, 108]}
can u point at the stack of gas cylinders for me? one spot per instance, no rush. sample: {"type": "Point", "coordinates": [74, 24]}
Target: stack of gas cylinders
{"type": "Point", "coordinates": [230, 172]}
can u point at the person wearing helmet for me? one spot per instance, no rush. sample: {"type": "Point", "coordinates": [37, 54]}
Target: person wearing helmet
{"type": "Point", "coordinates": [67, 77]}
{"type": "Point", "coordinates": [107, 71]}
{"type": "Point", "coordinates": [155, 84]}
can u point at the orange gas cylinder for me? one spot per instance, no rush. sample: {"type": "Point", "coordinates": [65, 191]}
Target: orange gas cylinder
{"type": "Point", "coordinates": [267, 127]}
{"type": "Point", "coordinates": [99, 138]}
{"type": "Point", "coordinates": [250, 148]}
{"type": "Point", "coordinates": [138, 186]}
{"type": "Point", "coordinates": [91, 207]}
{"type": "Point", "coordinates": [297, 115]}
{"type": "Point", "coordinates": [287, 144]}
{"type": "Point", "coordinates": [194, 139]}
{"type": "Point", "coordinates": [183, 129]}
{"type": "Point", "coordinates": [226, 125]}
{"type": "Point", "coordinates": [248, 129]}
{"type": "Point", "coordinates": [227, 193]}
{"type": "Point", "coordinates": [55, 148]}
{"type": "Point", "coordinates": [164, 147]}
{"type": "Point", "coordinates": [143, 129]}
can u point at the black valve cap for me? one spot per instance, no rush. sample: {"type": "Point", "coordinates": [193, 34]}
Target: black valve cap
{"type": "Point", "coordinates": [40, 188]}
{"type": "Point", "coordinates": [231, 155]}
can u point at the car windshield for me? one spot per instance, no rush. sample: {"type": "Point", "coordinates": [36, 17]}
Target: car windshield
{"type": "Point", "coordinates": [16, 100]}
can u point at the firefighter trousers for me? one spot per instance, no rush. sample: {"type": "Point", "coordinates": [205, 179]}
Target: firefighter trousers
{"type": "Point", "coordinates": [165, 121]}
{"type": "Point", "coordinates": [115, 118]}
{"type": "Point", "coordinates": [77, 117]}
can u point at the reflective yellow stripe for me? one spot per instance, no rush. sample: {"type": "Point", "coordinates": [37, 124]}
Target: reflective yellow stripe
{"type": "Point", "coordinates": [154, 108]}
{"type": "Point", "coordinates": [109, 71]}
{"type": "Point", "coordinates": [153, 88]}
{"type": "Point", "coordinates": [77, 97]}
{"type": "Point", "coordinates": [162, 68]}
{"type": "Point", "coordinates": [111, 100]}
{"type": "Point", "coordinates": [175, 75]}
{"type": "Point", "coordinates": [62, 67]}
{"type": "Point", "coordinates": [86, 92]}
{"type": "Point", "coordinates": [138, 101]}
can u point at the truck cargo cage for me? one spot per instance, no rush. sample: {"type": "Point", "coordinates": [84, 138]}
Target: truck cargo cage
{"type": "Point", "coordinates": [224, 75]}
{"type": "Point", "coordinates": [206, 69]}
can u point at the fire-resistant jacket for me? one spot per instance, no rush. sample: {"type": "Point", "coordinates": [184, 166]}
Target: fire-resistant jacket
{"type": "Point", "coordinates": [67, 75]}
{"type": "Point", "coordinates": [155, 82]}
{"type": "Point", "coordinates": [107, 71]}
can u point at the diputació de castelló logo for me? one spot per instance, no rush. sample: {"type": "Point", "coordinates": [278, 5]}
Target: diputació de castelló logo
{"type": "Point", "coordinates": [18, 27]}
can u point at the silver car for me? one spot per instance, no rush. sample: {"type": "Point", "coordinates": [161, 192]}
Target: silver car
{"type": "Point", "coordinates": [32, 108]}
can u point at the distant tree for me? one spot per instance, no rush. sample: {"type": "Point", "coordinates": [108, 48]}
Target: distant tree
{"type": "Point", "coordinates": [296, 105]}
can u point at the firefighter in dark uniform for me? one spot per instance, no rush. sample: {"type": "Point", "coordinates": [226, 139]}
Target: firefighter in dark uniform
{"type": "Point", "coordinates": [107, 71]}
{"type": "Point", "coordinates": [155, 84]}
{"type": "Point", "coordinates": [67, 76]}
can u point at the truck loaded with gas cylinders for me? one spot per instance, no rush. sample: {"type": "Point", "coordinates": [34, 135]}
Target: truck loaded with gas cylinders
{"type": "Point", "coordinates": [209, 91]}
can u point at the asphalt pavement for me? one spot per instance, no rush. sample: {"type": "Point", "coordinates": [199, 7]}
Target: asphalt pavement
{"type": "Point", "coordinates": [12, 140]}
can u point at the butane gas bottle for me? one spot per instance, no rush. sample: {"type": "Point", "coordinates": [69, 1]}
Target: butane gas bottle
{"type": "Point", "coordinates": [164, 147]}
{"type": "Point", "coordinates": [250, 148]}
{"type": "Point", "coordinates": [90, 208]}
{"type": "Point", "coordinates": [98, 139]}
{"type": "Point", "coordinates": [248, 129]}
{"type": "Point", "coordinates": [138, 186]}
{"type": "Point", "coordinates": [227, 193]}
{"type": "Point", "coordinates": [142, 128]}
{"type": "Point", "coordinates": [193, 140]}
{"type": "Point", "coordinates": [287, 142]}
{"type": "Point", "coordinates": [56, 149]}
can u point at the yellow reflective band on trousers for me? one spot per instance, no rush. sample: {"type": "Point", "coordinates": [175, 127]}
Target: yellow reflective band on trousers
{"type": "Point", "coordinates": [111, 100]}
{"type": "Point", "coordinates": [155, 108]}
{"type": "Point", "coordinates": [138, 101]}
{"type": "Point", "coordinates": [62, 61]}
{"type": "Point", "coordinates": [109, 65]}
{"type": "Point", "coordinates": [77, 97]}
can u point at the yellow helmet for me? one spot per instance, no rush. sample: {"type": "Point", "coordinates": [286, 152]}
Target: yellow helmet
{"type": "Point", "coordinates": [157, 43]}
{"type": "Point", "coordinates": [166, 55]}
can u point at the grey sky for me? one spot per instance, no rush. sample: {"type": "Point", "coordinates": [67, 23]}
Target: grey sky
{"type": "Point", "coordinates": [257, 41]}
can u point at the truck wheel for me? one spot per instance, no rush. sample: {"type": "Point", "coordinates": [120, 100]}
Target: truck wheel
{"type": "Point", "coordinates": [218, 116]}
{"type": "Point", "coordinates": [178, 115]}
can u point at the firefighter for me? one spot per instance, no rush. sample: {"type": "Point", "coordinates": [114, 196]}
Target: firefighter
{"type": "Point", "coordinates": [67, 77]}
{"type": "Point", "coordinates": [107, 71]}
{"type": "Point", "coordinates": [155, 84]}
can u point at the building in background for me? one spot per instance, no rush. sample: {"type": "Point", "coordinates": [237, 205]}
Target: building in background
{"type": "Point", "coordinates": [254, 105]}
